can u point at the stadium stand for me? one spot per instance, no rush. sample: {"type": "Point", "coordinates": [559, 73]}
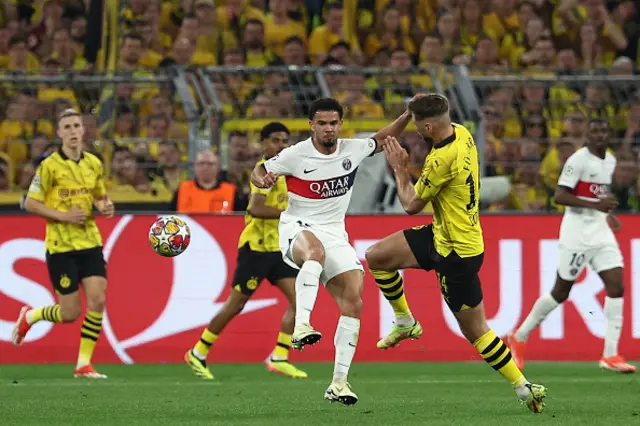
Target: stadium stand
{"type": "Point", "coordinates": [160, 81]}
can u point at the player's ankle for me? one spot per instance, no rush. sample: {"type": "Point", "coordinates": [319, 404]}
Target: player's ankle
{"type": "Point", "coordinates": [405, 321]}
{"type": "Point", "coordinates": [523, 391]}
{"type": "Point", "coordinates": [200, 356]}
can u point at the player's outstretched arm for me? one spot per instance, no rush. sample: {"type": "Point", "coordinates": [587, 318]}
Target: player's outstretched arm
{"type": "Point", "coordinates": [398, 160]}
{"type": "Point", "coordinates": [258, 207]}
{"type": "Point", "coordinates": [565, 197]}
{"type": "Point", "coordinates": [394, 129]}
{"type": "Point", "coordinates": [261, 178]}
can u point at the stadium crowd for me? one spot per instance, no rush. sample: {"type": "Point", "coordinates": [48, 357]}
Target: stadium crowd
{"type": "Point", "coordinates": [140, 132]}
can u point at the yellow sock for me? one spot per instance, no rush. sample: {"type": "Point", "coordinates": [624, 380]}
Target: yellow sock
{"type": "Point", "coordinates": [201, 349]}
{"type": "Point", "coordinates": [391, 286]}
{"type": "Point", "coordinates": [89, 334]}
{"type": "Point", "coordinates": [498, 356]}
{"type": "Point", "coordinates": [281, 352]}
{"type": "Point", "coordinates": [48, 313]}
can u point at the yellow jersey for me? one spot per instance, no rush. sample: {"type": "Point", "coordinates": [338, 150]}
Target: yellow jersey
{"type": "Point", "coordinates": [60, 183]}
{"type": "Point", "coordinates": [450, 181]}
{"type": "Point", "coordinates": [262, 234]}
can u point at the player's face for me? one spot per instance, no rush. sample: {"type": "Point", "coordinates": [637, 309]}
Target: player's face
{"type": "Point", "coordinates": [425, 128]}
{"type": "Point", "coordinates": [71, 131]}
{"type": "Point", "coordinates": [275, 143]}
{"type": "Point", "coordinates": [598, 135]}
{"type": "Point", "coordinates": [325, 127]}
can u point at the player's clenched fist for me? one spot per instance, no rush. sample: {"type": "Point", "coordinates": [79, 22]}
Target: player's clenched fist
{"type": "Point", "coordinates": [397, 157]}
{"type": "Point", "coordinates": [605, 205]}
{"type": "Point", "coordinates": [268, 180]}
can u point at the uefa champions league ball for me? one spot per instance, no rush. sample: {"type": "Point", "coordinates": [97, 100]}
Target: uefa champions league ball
{"type": "Point", "coordinates": [169, 236]}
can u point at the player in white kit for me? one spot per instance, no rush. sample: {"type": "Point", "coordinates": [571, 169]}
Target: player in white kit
{"type": "Point", "coordinates": [320, 173]}
{"type": "Point", "coordinates": [585, 238]}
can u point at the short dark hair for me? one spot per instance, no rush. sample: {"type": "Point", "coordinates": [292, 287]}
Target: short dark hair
{"type": "Point", "coordinates": [429, 106]}
{"type": "Point", "coordinates": [237, 134]}
{"type": "Point", "coordinates": [272, 128]}
{"type": "Point", "coordinates": [340, 44]}
{"type": "Point", "coordinates": [325, 104]}
{"type": "Point", "coordinates": [253, 21]}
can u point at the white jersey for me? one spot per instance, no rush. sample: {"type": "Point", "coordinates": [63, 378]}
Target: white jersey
{"type": "Point", "coordinates": [589, 177]}
{"type": "Point", "coordinates": [319, 185]}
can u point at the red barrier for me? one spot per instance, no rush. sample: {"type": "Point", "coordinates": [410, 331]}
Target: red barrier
{"type": "Point", "coordinates": [157, 307]}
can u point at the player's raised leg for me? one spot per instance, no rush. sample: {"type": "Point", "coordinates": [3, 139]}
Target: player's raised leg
{"type": "Point", "coordinates": [384, 259]}
{"type": "Point", "coordinates": [570, 265]}
{"type": "Point", "coordinates": [308, 253]}
{"type": "Point", "coordinates": [613, 308]}
{"type": "Point", "coordinates": [279, 359]}
{"type": "Point", "coordinates": [346, 288]}
{"type": "Point", "coordinates": [95, 288]}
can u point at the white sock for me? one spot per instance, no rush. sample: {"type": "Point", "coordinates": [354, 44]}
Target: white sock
{"type": "Point", "coordinates": [405, 321]}
{"type": "Point", "coordinates": [543, 307]}
{"type": "Point", "coordinates": [29, 316]}
{"type": "Point", "coordinates": [523, 391]}
{"type": "Point", "coordinates": [613, 315]}
{"type": "Point", "coordinates": [200, 356]}
{"type": "Point", "coordinates": [346, 340]}
{"type": "Point", "coordinates": [307, 285]}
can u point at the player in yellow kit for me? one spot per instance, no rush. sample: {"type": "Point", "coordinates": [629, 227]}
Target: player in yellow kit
{"type": "Point", "coordinates": [452, 245]}
{"type": "Point", "coordinates": [259, 257]}
{"type": "Point", "coordinates": [67, 186]}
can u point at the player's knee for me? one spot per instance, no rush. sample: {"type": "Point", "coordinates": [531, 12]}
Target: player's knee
{"type": "Point", "coordinates": [96, 302]}
{"type": "Point", "coordinates": [374, 257]}
{"type": "Point", "coordinates": [560, 293]}
{"type": "Point", "coordinates": [235, 306]}
{"type": "Point", "coordinates": [70, 313]}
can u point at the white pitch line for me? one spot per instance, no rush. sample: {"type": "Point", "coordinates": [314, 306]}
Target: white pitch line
{"type": "Point", "coordinates": [123, 382]}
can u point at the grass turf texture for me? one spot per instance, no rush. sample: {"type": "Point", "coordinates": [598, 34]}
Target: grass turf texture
{"type": "Point", "coordinates": [390, 394]}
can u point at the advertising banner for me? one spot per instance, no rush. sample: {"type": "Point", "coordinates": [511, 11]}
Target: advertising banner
{"type": "Point", "coordinates": [157, 307]}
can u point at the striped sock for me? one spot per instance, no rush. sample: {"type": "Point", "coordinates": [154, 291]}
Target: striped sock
{"type": "Point", "coordinates": [89, 334]}
{"type": "Point", "coordinates": [201, 349]}
{"type": "Point", "coordinates": [392, 288]}
{"type": "Point", "coordinates": [498, 356]}
{"type": "Point", "coordinates": [48, 313]}
{"type": "Point", "coordinates": [281, 352]}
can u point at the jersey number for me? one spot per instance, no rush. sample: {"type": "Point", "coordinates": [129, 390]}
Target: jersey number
{"type": "Point", "coordinates": [472, 192]}
{"type": "Point", "coordinates": [577, 259]}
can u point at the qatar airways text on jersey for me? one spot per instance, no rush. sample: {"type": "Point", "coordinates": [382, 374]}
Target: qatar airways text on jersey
{"type": "Point", "coordinates": [320, 185]}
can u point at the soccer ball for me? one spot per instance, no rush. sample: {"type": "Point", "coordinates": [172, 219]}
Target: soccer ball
{"type": "Point", "coordinates": [169, 236]}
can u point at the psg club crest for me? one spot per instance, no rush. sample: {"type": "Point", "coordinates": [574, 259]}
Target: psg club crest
{"type": "Point", "coordinates": [346, 164]}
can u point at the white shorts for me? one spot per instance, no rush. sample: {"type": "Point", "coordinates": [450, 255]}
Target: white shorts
{"type": "Point", "coordinates": [339, 255]}
{"type": "Point", "coordinates": [571, 262]}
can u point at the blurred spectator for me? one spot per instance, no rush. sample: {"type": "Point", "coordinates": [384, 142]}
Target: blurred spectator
{"type": "Point", "coordinates": [253, 43]}
{"type": "Point", "coordinates": [332, 32]}
{"type": "Point", "coordinates": [278, 27]}
{"type": "Point", "coordinates": [242, 157]}
{"type": "Point", "coordinates": [206, 193]}
{"type": "Point", "coordinates": [388, 34]}
{"type": "Point", "coordinates": [169, 161]}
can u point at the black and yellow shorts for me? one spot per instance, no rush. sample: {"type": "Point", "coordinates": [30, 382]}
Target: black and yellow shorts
{"type": "Point", "coordinates": [254, 266]}
{"type": "Point", "coordinates": [458, 276]}
{"type": "Point", "coordinates": [67, 270]}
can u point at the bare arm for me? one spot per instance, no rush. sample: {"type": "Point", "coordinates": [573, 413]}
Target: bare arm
{"type": "Point", "coordinates": [394, 129]}
{"type": "Point", "coordinates": [616, 35]}
{"type": "Point", "coordinates": [259, 209]}
{"type": "Point", "coordinates": [411, 202]}
{"type": "Point", "coordinates": [564, 197]}
{"type": "Point", "coordinates": [261, 178]}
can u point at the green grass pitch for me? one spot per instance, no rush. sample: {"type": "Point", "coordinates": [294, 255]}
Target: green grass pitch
{"type": "Point", "coordinates": [399, 394]}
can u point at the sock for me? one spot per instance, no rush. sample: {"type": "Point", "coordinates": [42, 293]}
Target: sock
{"type": "Point", "coordinates": [201, 349]}
{"type": "Point", "coordinates": [48, 313]}
{"type": "Point", "coordinates": [613, 314]}
{"type": "Point", "coordinates": [89, 334]}
{"type": "Point", "coordinates": [345, 340]}
{"type": "Point", "coordinates": [543, 307]}
{"type": "Point", "coordinates": [281, 352]}
{"type": "Point", "coordinates": [392, 288]}
{"type": "Point", "coordinates": [307, 290]}
{"type": "Point", "coordinates": [498, 356]}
